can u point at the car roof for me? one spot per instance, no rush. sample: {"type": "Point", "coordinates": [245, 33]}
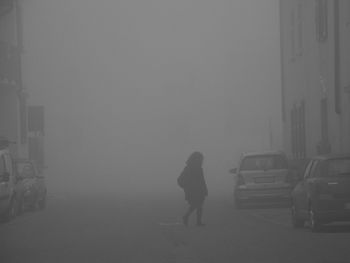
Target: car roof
{"type": "Point", "coordinates": [332, 156]}
{"type": "Point", "coordinates": [262, 153]}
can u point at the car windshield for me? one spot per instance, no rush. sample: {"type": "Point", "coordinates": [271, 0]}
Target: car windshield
{"type": "Point", "coordinates": [337, 167]}
{"type": "Point", "coordinates": [263, 162]}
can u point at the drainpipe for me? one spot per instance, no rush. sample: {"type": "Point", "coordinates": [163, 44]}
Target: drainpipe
{"type": "Point", "coordinates": [337, 58]}
{"type": "Point", "coordinates": [22, 95]}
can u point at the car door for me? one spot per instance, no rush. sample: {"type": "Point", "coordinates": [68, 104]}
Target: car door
{"type": "Point", "coordinates": [300, 191]}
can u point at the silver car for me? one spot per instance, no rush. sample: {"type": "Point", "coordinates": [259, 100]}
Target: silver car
{"type": "Point", "coordinates": [262, 176]}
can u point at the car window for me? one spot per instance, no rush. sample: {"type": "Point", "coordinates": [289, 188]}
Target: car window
{"type": "Point", "coordinates": [337, 167]}
{"type": "Point", "coordinates": [25, 170]}
{"type": "Point", "coordinates": [263, 162]}
{"type": "Point", "coordinates": [315, 169]}
{"type": "Point", "coordinates": [308, 169]}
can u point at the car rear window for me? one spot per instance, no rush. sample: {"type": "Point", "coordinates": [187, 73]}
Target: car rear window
{"type": "Point", "coordinates": [263, 162]}
{"type": "Point", "coordinates": [25, 169]}
{"type": "Point", "coordinates": [337, 167]}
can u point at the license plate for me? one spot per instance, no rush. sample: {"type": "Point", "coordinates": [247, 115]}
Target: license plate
{"type": "Point", "coordinates": [347, 206]}
{"type": "Point", "coordinates": [264, 180]}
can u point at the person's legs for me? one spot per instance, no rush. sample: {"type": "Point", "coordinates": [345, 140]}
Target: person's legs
{"type": "Point", "coordinates": [187, 215]}
{"type": "Point", "coordinates": [199, 215]}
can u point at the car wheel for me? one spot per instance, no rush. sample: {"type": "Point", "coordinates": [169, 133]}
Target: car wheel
{"type": "Point", "coordinates": [296, 220]}
{"type": "Point", "coordinates": [42, 203]}
{"type": "Point", "coordinates": [315, 224]}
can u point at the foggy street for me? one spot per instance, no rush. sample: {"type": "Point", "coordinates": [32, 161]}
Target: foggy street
{"type": "Point", "coordinates": [139, 229]}
{"type": "Point", "coordinates": [118, 119]}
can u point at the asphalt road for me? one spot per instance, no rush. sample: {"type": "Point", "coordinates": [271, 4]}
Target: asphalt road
{"type": "Point", "coordinates": [148, 229]}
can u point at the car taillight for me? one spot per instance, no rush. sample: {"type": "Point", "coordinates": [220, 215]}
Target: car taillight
{"type": "Point", "coordinates": [240, 180]}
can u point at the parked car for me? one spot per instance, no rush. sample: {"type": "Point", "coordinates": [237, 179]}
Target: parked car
{"type": "Point", "coordinates": [9, 190]}
{"type": "Point", "coordinates": [33, 186]}
{"type": "Point", "coordinates": [323, 194]}
{"type": "Point", "coordinates": [262, 176]}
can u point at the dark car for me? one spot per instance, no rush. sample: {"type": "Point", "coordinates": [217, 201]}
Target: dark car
{"type": "Point", "coordinates": [33, 192]}
{"type": "Point", "coordinates": [323, 194]}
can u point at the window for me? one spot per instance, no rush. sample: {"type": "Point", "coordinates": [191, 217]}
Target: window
{"type": "Point", "coordinates": [26, 170]}
{"type": "Point", "coordinates": [312, 170]}
{"type": "Point", "coordinates": [292, 35]}
{"type": "Point", "coordinates": [324, 119]}
{"type": "Point", "coordinates": [316, 170]}
{"type": "Point", "coordinates": [298, 133]}
{"type": "Point", "coordinates": [337, 167]}
{"type": "Point", "coordinates": [307, 169]}
{"type": "Point", "coordinates": [264, 162]}
{"type": "Point", "coordinates": [324, 146]}
{"type": "Point", "coordinates": [348, 13]}
{"type": "Point", "coordinates": [300, 27]}
{"type": "Point", "coordinates": [321, 17]}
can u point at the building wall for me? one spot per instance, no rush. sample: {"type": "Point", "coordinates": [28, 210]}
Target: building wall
{"type": "Point", "coordinates": [11, 115]}
{"type": "Point", "coordinates": [309, 76]}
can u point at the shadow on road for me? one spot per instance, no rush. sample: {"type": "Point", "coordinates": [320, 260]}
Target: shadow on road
{"type": "Point", "coordinates": [336, 228]}
{"type": "Point", "coordinates": [265, 205]}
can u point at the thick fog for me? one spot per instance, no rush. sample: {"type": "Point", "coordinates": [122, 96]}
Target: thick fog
{"type": "Point", "coordinates": [132, 87]}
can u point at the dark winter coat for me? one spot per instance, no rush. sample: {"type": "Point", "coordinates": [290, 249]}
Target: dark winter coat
{"type": "Point", "coordinates": [194, 184]}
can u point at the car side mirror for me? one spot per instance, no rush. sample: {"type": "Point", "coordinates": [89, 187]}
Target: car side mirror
{"type": "Point", "coordinates": [233, 170]}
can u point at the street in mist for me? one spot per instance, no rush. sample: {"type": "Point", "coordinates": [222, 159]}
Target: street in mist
{"type": "Point", "coordinates": [131, 88]}
{"type": "Point", "coordinates": [107, 228]}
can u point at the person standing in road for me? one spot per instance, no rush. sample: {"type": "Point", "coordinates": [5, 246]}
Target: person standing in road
{"type": "Point", "coordinates": [193, 183]}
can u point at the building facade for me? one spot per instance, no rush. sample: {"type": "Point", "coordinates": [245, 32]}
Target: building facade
{"type": "Point", "coordinates": [13, 109]}
{"type": "Point", "coordinates": [315, 76]}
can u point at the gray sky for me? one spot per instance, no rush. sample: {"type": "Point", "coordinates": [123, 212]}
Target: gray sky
{"type": "Point", "coordinates": [132, 87]}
